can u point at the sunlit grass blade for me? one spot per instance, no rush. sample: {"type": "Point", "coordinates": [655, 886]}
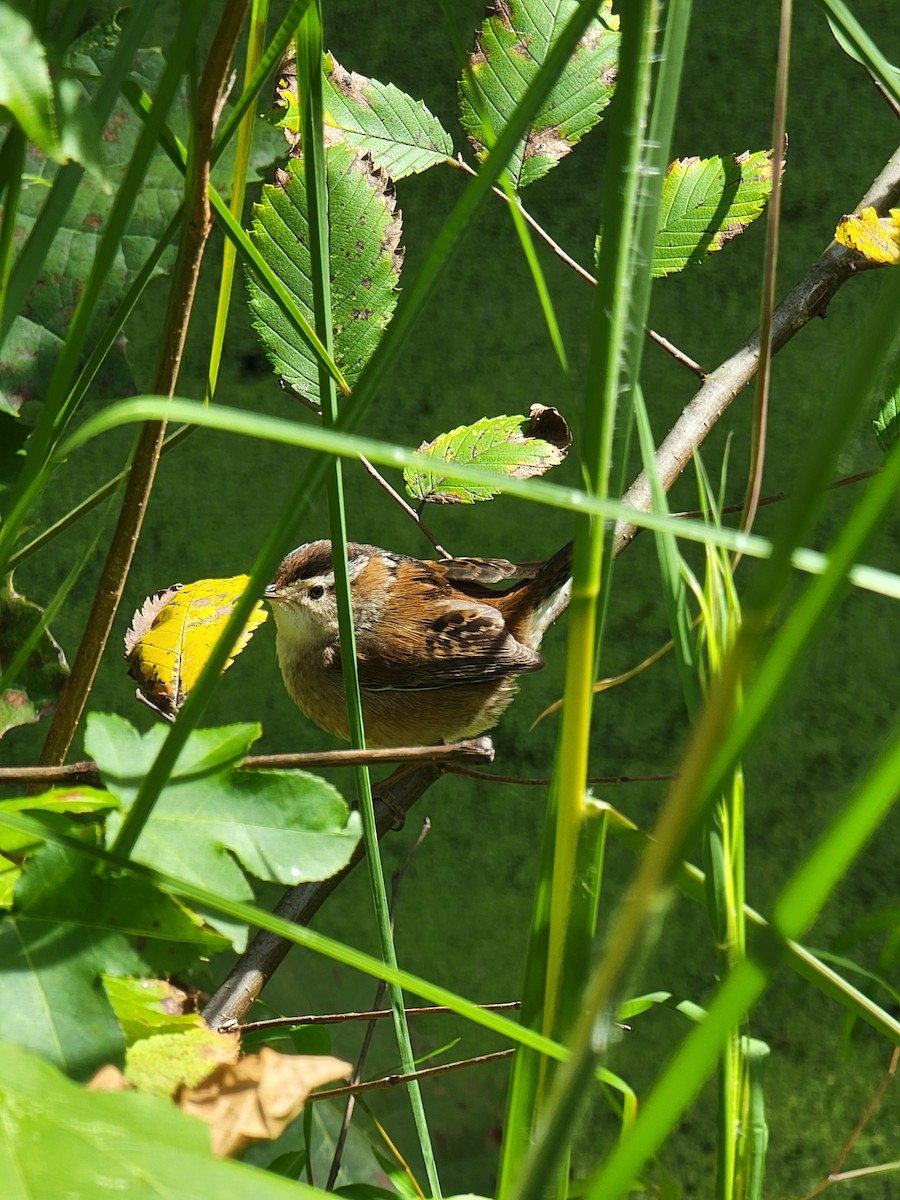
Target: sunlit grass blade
{"type": "Point", "coordinates": [389, 454]}
{"type": "Point", "coordinates": [258, 16]}
{"type": "Point", "coordinates": [796, 907]}
{"type": "Point", "coordinates": [309, 84]}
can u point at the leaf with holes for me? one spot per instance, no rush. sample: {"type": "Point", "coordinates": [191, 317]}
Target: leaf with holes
{"type": "Point", "coordinates": [705, 203]}
{"type": "Point", "coordinates": [365, 255]}
{"type": "Point", "coordinates": [516, 447]}
{"type": "Point", "coordinates": [510, 48]}
{"type": "Point", "coordinates": [172, 634]}
{"type": "Point", "coordinates": [285, 826]}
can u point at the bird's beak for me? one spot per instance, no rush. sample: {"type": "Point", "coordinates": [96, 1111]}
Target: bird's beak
{"type": "Point", "coordinates": [271, 593]}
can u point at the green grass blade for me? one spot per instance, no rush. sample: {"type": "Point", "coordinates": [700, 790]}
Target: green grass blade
{"type": "Point", "coordinates": [312, 116]}
{"type": "Point", "coordinates": [258, 17]}
{"type": "Point", "coordinates": [794, 910]}
{"type": "Point", "coordinates": [348, 445]}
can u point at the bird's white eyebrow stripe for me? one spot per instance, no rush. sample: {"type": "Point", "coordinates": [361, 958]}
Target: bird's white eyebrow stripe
{"type": "Point", "coordinates": [355, 567]}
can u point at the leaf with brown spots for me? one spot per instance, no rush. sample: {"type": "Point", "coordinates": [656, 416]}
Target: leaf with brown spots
{"type": "Point", "coordinates": [516, 447]}
{"type": "Point", "coordinates": [171, 636]}
{"type": "Point", "coordinates": [510, 48]}
{"type": "Point", "coordinates": [705, 203]}
{"type": "Point", "coordinates": [399, 133]}
{"type": "Point", "coordinates": [365, 258]}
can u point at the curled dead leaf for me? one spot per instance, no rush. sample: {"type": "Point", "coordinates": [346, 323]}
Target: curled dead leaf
{"type": "Point", "coordinates": [255, 1098]}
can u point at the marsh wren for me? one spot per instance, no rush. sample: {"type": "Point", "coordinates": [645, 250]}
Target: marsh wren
{"type": "Point", "coordinates": [437, 650]}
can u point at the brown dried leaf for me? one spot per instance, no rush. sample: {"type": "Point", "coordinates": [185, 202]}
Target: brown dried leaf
{"type": "Point", "coordinates": [257, 1097]}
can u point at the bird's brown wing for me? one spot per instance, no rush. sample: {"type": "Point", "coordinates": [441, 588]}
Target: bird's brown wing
{"type": "Point", "coordinates": [458, 641]}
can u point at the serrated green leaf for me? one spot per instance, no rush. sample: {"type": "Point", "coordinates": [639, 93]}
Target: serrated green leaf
{"type": "Point", "coordinates": [285, 826]}
{"type": "Point", "coordinates": [887, 422]}
{"type": "Point", "coordinates": [707, 202]}
{"type": "Point", "coordinates": [510, 49]}
{"type": "Point", "coordinates": [33, 692]}
{"type": "Point", "coordinates": [399, 133]}
{"type": "Point", "coordinates": [365, 228]}
{"type": "Point", "coordinates": [517, 447]}
{"type": "Point", "coordinates": [57, 1135]}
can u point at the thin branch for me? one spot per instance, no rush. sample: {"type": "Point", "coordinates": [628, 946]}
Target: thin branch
{"type": "Point", "coordinates": [810, 298]}
{"type": "Point", "coordinates": [454, 769]}
{"type": "Point", "coordinates": [87, 772]}
{"type": "Point", "coordinates": [868, 1112]}
{"type": "Point", "coordinates": [388, 1081]}
{"type": "Point", "coordinates": [576, 266]}
{"type": "Point", "coordinates": [780, 497]}
{"type": "Point", "coordinates": [407, 508]}
{"type": "Point", "coordinates": [375, 1014]}
{"type": "Point", "coordinates": [111, 586]}
{"type": "Point", "coordinates": [758, 440]}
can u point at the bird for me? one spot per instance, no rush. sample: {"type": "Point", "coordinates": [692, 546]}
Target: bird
{"type": "Point", "coordinates": [438, 650]}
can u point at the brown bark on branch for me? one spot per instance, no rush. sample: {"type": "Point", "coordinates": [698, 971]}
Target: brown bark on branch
{"type": "Point", "coordinates": [808, 299]}
{"type": "Point", "coordinates": [143, 468]}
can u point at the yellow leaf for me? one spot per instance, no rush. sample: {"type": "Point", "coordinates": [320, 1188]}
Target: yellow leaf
{"type": "Point", "coordinates": [172, 634]}
{"type": "Point", "coordinates": [876, 238]}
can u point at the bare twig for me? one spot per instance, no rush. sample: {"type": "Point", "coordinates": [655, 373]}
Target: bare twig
{"type": "Point", "coordinates": [375, 1014]}
{"type": "Point", "coordinates": [779, 497]}
{"type": "Point", "coordinates": [758, 439]}
{"type": "Point", "coordinates": [576, 266]}
{"type": "Point", "coordinates": [454, 769]}
{"type": "Point", "coordinates": [143, 468]}
{"type": "Point", "coordinates": [87, 772]}
{"type": "Point", "coordinates": [393, 1080]}
{"type": "Point", "coordinates": [407, 508]}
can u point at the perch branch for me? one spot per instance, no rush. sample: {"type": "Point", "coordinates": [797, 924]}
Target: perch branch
{"type": "Point", "coordinates": [87, 772]}
{"type": "Point", "coordinates": [393, 796]}
{"type": "Point", "coordinates": [808, 299]}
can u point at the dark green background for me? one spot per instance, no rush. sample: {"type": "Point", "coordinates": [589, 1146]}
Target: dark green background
{"type": "Point", "coordinates": [481, 348]}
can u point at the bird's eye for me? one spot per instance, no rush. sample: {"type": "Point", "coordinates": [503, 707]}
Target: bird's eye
{"type": "Point", "coordinates": [316, 592]}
